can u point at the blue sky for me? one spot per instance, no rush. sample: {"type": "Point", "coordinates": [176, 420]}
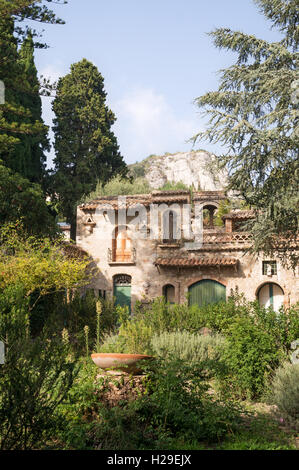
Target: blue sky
{"type": "Point", "coordinates": [155, 57]}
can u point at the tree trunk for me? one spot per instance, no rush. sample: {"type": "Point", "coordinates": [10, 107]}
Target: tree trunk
{"type": "Point", "coordinates": [73, 222]}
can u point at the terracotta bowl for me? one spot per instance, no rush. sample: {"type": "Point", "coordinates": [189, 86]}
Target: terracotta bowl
{"type": "Point", "coordinates": [123, 362]}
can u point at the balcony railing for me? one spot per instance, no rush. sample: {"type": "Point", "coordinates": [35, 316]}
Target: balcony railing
{"type": "Point", "coordinates": [122, 258]}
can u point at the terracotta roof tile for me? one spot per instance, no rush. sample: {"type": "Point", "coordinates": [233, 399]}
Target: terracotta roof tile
{"type": "Point", "coordinates": [208, 195]}
{"type": "Point", "coordinates": [239, 214]}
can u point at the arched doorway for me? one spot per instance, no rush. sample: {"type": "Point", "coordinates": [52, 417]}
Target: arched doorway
{"type": "Point", "coordinates": [206, 292]}
{"type": "Point", "coordinates": [122, 290]}
{"type": "Point", "coordinates": [271, 295]}
{"type": "Point", "coordinates": [169, 293]}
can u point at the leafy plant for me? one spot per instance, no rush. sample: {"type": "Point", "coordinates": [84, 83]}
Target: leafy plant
{"type": "Point", "coordinates": [189, 347]}
{"type": "Point", "coordinates": [34, 380]}
{"type": "Point", "coordinates": [285, 392]}
{"type": "Point", "coordinates": [250, 356]}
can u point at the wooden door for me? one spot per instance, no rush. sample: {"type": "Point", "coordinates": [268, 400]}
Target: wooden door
{"type": "Point", "coordinates": [206, 292]}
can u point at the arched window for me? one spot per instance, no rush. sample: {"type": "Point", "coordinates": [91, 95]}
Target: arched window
{"type": "Point", "coordinates": [271, 295]}
{"type": "Point", "coordinates": [169, 293]}
{"type": "Point", "coordinates": [170, 229]}
{"type": "Point", "coordinates": [206, 291]}
{"type": "Point", "coordinates": [121, 246]}
{"type": "Point", "coordinates": [209, 213]}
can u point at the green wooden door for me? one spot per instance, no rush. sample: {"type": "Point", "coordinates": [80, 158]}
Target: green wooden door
{"type": "Point", "coordinates": [122, 291]}
{"type": "Point", "coordinates": [122, 296]}
{"type": "Point", "coordinates": [206, 292]}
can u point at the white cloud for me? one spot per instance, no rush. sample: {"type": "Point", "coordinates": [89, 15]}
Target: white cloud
{"type": "Point", "coordinates": [146, 124]}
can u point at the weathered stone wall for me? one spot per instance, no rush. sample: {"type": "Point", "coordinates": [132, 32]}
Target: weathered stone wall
{"type": "Point", "coordinates": [148, 279]}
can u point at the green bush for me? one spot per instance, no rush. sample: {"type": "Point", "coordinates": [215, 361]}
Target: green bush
{"type": "Point", "coordinates": [188, 346]}
{"type": "Point", "coordinates": [285, 392]}
{"type": "Point", "coordinates": [178, 403]}
{"type": "Point", "coordinates": [56, 313]}
{"type": "Point", "coordinates": [175, 405]}
{"type": "Point", "coordinates": [251, 354]}
{"type": "Point", "coordinates": [134, 337]}
{"type": "Point", "coordinates": [34, 380]}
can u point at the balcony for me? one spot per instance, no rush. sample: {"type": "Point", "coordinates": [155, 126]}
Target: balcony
{"type": "Point", "coordinates": [124, 258]}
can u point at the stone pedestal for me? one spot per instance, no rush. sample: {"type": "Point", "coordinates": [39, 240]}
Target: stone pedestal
{"type": "Point", "coordinates": [120, 387]}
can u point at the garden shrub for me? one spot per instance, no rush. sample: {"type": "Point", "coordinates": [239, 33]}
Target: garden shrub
{"type": "Point", "coordinates": [251, 354]}
{"type": "Point", "coordinates": [174, 405]}
{"type": "Point", "coordinates": [134, 337]}
{"type": "Point", "coordinates": [34, 379]}
{"type": "Point", "coordinates": [188, 346]}
{"type": "Point", "coordinates": [285, 392]}
{"type": "Point", "coordinates": [178, 402]}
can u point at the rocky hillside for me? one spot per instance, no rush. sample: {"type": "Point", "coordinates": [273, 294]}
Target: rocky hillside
{"type": "Point", "coordinates": [196, 168]}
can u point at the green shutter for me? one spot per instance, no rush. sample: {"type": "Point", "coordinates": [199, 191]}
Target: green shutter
{"type": "Point", "coordinates": [206, 292]}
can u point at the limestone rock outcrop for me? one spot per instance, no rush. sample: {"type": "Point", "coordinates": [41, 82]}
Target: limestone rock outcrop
{"type": "Point", "coordinates": [197, 168]}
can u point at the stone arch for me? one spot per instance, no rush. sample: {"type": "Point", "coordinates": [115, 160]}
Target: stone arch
{"type": "Point", "coordinates": [211, 208]}
{"type": "Point", "coordinates": [168, 291]}
{"type": "Point", "coordinates": [270, 294]}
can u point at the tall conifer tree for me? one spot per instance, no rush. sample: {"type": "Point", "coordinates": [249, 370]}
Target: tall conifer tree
{"type": "Point", "coordinates": [31, 148]}
{"type": "Point", "coordinates": [86, 148]}
{"type": "Point", "coordinates": [255, 115]}
{"type": "Point", "coordinates": [22, 133]}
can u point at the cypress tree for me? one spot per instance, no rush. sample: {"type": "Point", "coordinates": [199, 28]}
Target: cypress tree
{"type": "Point", "coordinates": [31, 148]}
{"type": "Point", "coordinates": [86, 148]}
{"type": "Point", "coordinates": [22, 133]}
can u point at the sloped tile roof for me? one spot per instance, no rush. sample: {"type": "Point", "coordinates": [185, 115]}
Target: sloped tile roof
{"type": "Point", "coordinates": [239, 214]}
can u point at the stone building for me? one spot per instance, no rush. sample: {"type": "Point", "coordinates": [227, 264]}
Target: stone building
{"type": "Point", "coordinates": [144, 248]}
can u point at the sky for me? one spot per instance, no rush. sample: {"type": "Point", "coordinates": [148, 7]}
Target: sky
{"type": "Point", "coordinates": [156, 58]}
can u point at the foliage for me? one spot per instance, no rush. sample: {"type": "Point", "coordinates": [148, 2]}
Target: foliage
{"type": "Point", "coordinates": [254, 114]}
{"type": "Point", "coordinates": [174, 405]}
{"type": "Point", "coordinates": [178, 403]}
{"type": "Point", "coordinates": [250, 357]}
{"type": "Point", "coordinates": [137, 170]}
{"type": "Point", "coordinates": [189, 347]}
{"type": "Point", "coordinates": [18, 118]}
{"type": "Point", "coordinates": [35, 10]}
{"type": "Point", "coordinates": [30, 152]}
{"type": "Point", "coordinates": [75, 313]}
{"type": "Point", "coordinates": [262, 432]}
{"type": "Point", "coordinates": [119, 186]}
{"type": "Point", "coordinates": [172, 185]}
{"type": "Point", "coordinates": [257, 339]}
{"type": "Point", "coordinates": [38, 264]}
{"type": "Point", "coordinates": [34, 380]}
{"type": "Point", "coordinates": [224, 208]}
{"type": "Point", "coordinates": [80, 405]}
{"type": "Point", "coordinates": [23, 135]}
{"type": "Point", "coordinates": [285, 392]}
{"type": "Point", "coordinates": [86, 148]}
{"type": "Point", "coordinates": [20, 199]}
